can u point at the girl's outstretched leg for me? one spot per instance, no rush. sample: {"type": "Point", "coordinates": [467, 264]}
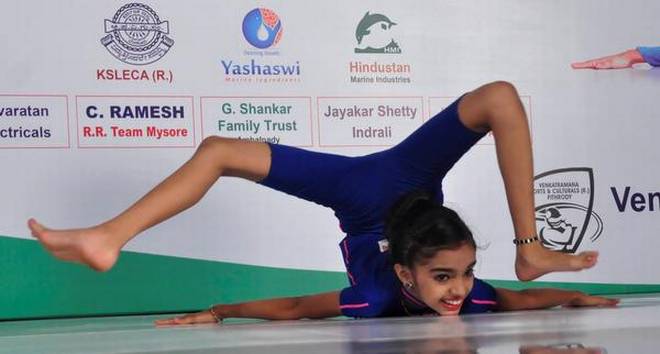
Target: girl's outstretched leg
{"type": "Point", "coordinates": [99, 246]}
{"type": "Point", "coordinates": [497, 107]}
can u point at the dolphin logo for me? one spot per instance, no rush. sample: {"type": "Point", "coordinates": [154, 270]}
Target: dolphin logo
{"type": "Point", "coordinates": [369, 20]}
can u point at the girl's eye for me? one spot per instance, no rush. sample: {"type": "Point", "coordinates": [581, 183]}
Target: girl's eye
{"type": "Point", "coordinates": [442, 277]}
{"type": "Point", "coordinates": [469, 272]}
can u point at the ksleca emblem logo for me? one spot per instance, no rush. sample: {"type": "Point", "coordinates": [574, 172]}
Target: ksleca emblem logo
{"type": "Point", "coordinates": [136, 35]}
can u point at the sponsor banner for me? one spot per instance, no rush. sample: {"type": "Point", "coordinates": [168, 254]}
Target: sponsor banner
{"type": "Point", "coordinates": [262, 28]}
{"type": "Point", "coordinates": [128, 75]}
{"type": "Point", "coordinates": [367, 121]}
{"type": "Point", "coordinates": [437, 104]}
{"type": "Point", "coordinates": [375, 36]}
{"type": "Point", "coordinates": [134, 72]}
{"type": "Point", "coordinates": [135, 121]}
{"type": "Point", "coordinates": [629, 199]}
{"type": "Point", "coordinates": [136, 35]}
{"type": "Point", "coordinates": [276, 120]}
{"type": "Point", "coordinates": [261, 61]}
{"type": "Point", "coordinates": [565, 216]}
{"type": "Point", "coordinates": [34, 121]}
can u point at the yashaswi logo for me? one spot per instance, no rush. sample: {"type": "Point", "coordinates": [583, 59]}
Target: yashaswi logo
{"type": "Point", "coordinates": [262, 28]}
{"type": "Point", "coordinates": [137, 35]}
{"type": "Point", "coordinates": [374, 35]}
{"type": "Point", "coordinates": [564, 212]}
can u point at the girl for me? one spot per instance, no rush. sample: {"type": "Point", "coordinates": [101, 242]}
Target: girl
{"type": "Point", "coordinates": [428, 269]}
{"type": "Point", "coordinates": [360, 190]}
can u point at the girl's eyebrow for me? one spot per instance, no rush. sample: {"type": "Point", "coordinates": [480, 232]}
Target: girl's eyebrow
{"type": "Point", "coordinates": [450, 270]}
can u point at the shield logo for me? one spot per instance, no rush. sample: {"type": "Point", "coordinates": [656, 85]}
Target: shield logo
{"type": "Point", "coordinates": [564, 212]}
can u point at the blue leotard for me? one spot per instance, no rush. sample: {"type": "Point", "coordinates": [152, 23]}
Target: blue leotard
{"type": "Point", "coordinates": [651, 55]}
{"type": "Point", "coordinates": [362, 189]}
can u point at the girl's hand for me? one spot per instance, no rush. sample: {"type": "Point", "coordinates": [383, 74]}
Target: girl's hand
{"type": "Point", "coordinates": [191, 318]}
{"type": "Point", "coordinates": [584, 300]}
{"type": "Point", "coordinates": [617, 61]}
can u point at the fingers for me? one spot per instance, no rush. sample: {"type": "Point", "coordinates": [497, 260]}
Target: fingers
{"type": "Point", "coordinates": [169, 321]}
{"type": "Point", "coordinates": [618, 61]}
{"type": "Point", "coordinates": [589, 64]}
{"type": "Point", "coordinates": [599, 63]}
{"type": "Point", "coordinates": [602, 301]}
{"type": "Point", "coordinates": [189, 319]}
{"type": "Point", "coordinates": [592, 301]}
{"type": "Point", "coordinates": [173, 321]}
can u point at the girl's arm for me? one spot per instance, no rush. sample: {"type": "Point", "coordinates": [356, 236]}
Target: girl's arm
{"type": "Point", "coordinates": [530, 299]}
{"type": "Point", "coordinates": [625, 59]}
{"type": "Point", "coordinates": [290, 308]}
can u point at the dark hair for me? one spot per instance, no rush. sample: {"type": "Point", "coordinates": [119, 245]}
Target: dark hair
{"type": "Point", "coordinates": [417, 227]}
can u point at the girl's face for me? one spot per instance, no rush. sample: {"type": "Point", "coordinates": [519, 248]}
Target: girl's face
{"type": "Point", "coordinates": [443, 281]}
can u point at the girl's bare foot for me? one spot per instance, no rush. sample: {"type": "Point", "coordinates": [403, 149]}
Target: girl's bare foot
{"type": "Point", "coordinates": [533, 260]}
{"type": "Point", "coordinates": [95, 246]}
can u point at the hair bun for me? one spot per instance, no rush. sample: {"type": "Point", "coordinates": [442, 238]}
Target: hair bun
{"type": "Point", "coordinates": [418, 227]}
{"type": "Point", "coordinates": [407, 209]}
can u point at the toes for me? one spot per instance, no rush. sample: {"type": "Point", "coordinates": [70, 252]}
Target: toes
{"type": "Point", "coordinates": [590, 255]}
{"type": "Point", "coordinates": [36, 228]}
{"type": "Point", "coordinates": [51, 240]}
{"type": "Point", "coordinates": [43, 234]}
{"type": "Point", "coordinates": [588, 259]}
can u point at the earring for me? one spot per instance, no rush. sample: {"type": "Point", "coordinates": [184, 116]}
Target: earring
{"type": "Point", "coordinates": [409, 285]}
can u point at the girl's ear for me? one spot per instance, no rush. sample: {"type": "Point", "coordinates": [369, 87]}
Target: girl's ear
{"type": "Point", "coordinates": [404, 274]}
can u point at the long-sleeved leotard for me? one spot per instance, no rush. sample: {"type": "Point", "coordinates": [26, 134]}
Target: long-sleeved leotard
{"type": "Point", "coordinates": [651, 55]}
{"type": "Point", "coordinates": [362, 189]}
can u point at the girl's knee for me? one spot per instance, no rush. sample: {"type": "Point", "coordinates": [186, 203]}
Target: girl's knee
{"type": "Point", "coordinates": [500, 91]}
{"type": "Point", "coordinates": [485, 103]}
{"type": "Point", "coordinates": [215, 141]}
{"type": "Point", "coordinates": [214, 145]}
{"type": "Point", "coordinates": [499, 97]}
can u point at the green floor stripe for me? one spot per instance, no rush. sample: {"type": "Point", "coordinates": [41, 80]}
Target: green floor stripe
{"type": "Point", "coordinates": [591, 288]}
{"type": "Point", "coordinates": [35, 285]}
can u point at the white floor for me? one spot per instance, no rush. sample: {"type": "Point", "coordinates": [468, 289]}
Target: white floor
{"type": "Point", "coordinates": [633, 327]}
